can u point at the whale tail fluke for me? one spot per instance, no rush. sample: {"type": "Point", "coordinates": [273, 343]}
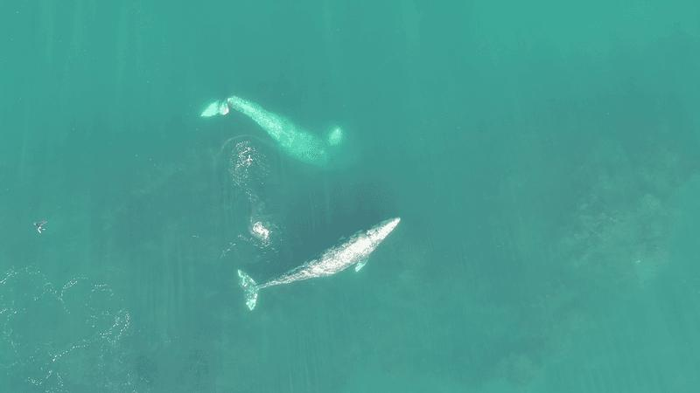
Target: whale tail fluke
{"type": "Point", "coordinates": [250, 288]}
{"type": "Point", "coordinates": [216, 108]}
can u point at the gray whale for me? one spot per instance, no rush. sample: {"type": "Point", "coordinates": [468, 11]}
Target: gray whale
{"type": "Point", "coordinates": [354, 251]}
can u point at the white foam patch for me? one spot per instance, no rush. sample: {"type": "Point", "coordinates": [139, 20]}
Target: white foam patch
{"type": "Point", "coordinates": [54, 336]}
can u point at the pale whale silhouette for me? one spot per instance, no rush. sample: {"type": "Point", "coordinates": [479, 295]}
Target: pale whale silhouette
{"type": "Point", "coordinates": [354, 251]}
{"type": "Point", "coordinates": [294, 141]}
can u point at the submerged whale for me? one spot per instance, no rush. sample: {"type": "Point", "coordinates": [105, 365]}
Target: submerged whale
{"type": "Point", "coordinates": [293, 140]}
{"type": "Point", "coordinates": [354, 251]}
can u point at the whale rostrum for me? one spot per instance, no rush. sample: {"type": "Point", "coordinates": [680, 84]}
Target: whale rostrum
{"type": "Point", "coordinates": [354, 251]}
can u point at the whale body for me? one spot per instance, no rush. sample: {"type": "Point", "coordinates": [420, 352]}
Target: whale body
{"type": "Point", "coordinates": [293, 140]}
{"type": "Point", "coordinates": [354, 251]}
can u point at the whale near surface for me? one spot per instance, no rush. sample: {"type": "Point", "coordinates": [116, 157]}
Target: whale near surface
{"type": "Point", "coordinates": [293, 140]}
{"type": "Point", "coordinates": [354, 251]}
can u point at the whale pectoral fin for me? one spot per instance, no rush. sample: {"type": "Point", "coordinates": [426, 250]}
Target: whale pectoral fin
{"type": "Point", "coordinates": [360, 265]}
{"type": "Point", "coordinates": [334, 136]}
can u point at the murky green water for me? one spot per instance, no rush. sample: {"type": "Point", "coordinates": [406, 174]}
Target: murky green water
{"type": "Point", "coordinates": [543, 158]}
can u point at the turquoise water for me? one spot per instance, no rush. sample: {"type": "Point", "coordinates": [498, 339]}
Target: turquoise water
{"type": "Point", "coordinates": [543, 157]}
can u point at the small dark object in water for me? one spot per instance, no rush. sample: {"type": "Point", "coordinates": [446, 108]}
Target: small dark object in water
{"type": "Point", "coordinates": [39, 225]}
